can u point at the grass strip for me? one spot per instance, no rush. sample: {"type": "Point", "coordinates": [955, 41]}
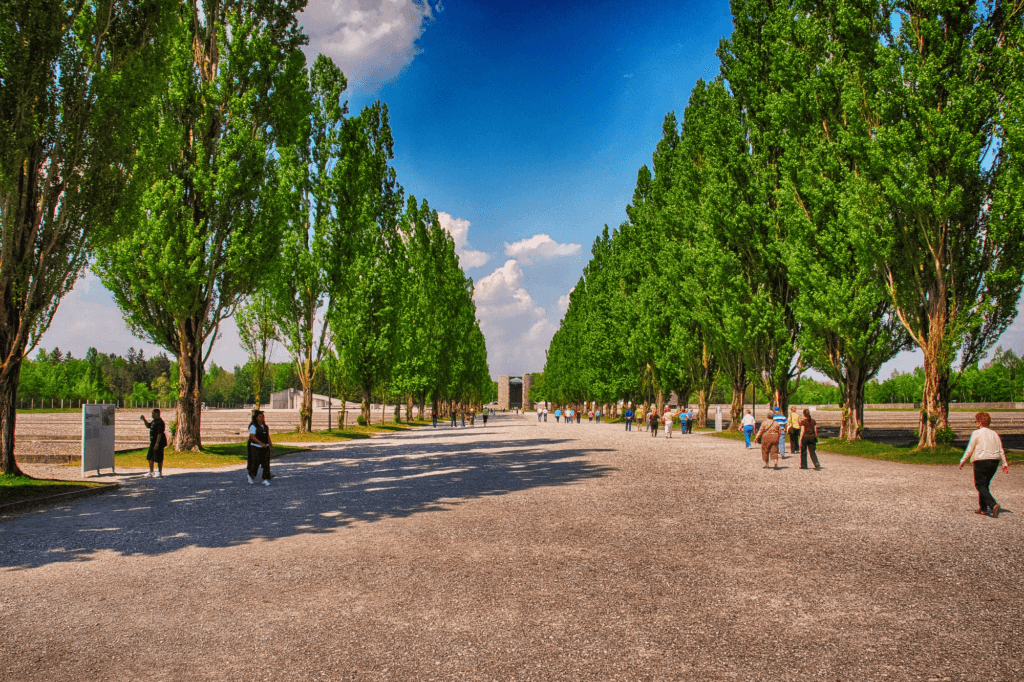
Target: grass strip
{"type": "Point", "coordinates": [17, 488]}
{"type": "Point", "coordinates": [908, 454]}
{"type": "Point", "coordinates": [49, 410]}
{"type": "Point", "coordinates": [341, 435]}
{"type": "Point", "coordinates": [210, 456]}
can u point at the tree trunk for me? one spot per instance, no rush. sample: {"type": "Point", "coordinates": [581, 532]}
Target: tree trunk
{"type": "Point", "coordinates": [739, 389]}
{"type": "Point", "coordinates": [341, 420]}
{"type": "Point", "coordinates": [190, 386]}
{"type": "Point", "coordinates": [306, 411]}
{"type": "Point", "coordinates": [853, 404]}
{"type": "Point", "coordinates": [366, 407]}
{"type": "Point", "coordinates": [408, 408]}
{"type": "Point", "coordinates": [702, 408]}
{"type": "Point", "coordinates": [934, 401]}
{"type": "Point", "coordinates": [8, 416]}
{"type": "Point", "coordinates": [383, 404]}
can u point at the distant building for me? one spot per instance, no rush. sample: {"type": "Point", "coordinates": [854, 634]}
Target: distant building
{"type": "Point", "coordinates": [291, 399]}
{"type": "Point", "coordinates": [514, 392]}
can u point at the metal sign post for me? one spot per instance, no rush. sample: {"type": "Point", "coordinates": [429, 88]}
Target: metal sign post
{"type": "Point", "coordinates": [97, 438]}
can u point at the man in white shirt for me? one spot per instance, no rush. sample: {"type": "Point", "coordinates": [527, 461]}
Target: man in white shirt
{"type": "Point", "coordinates": [748, 426]}
{"type": "Point", "coordinates": [985, 450]}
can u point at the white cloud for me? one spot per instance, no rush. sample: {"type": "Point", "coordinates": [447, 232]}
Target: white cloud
{"type": "Point", "coordinates": [459, 230]}
{"type": "Point", "coordinates": [538, 247]}
{"type": "Point", "coordinates": [563, 302]}
{"type": "Point", "coordinates": [370, 40]}
{"type": "Point", "coordinates": [515, 327]}
{"type": "Point", "coordinates": [89, 317]}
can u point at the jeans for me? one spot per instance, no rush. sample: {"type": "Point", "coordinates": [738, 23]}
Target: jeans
{"type": "Point", "coordinates": [629, 423]}
{"type": "Point", "coordinates": [810, 444]}
{"type": "Point", "coordinates": [984, 470]}
{"type": "Point", "coordinates": [747, 432]}
{"type": "Point", "coordinates": [539, 415]}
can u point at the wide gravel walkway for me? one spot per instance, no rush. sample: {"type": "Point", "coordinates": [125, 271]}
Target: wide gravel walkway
{"type": "Point", "coordinates": [522, 551]}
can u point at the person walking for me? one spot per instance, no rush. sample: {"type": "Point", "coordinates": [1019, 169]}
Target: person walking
{"type": "Point", "coordinates": [748, 426]}
{"type": "Point", "coordinates": [485, 416]}
{"type": "Point", "coordinates": [433, 417]}
{"type": "Point", "coordinates": [654, 420]}
{"type": "Point", "coordinates": [690, 414]}
{"type": "Point", "coordinates": [780, 419]}
{"type": "Point", "coordinates": [463, 415]}
{"type": "Point", "coordinates": [258, 448]}
{"type": "Point", "coordinates": [629, 419]}
{"type": "Point", "coordinates": [579, 416]}
{"type": "Point", "coordinates": [597, 413]}
{"type": "Point", "coordinates": [668, 423]}
{"type": "Point", "coordinates": [985, 450]}
{"type": "Point", "coordinates": [157, 443]}
{"type": "Point", "coordinates": [540, 413]}
{"type": "Point", "coordinates": [558, 413]}
{"type": "Point", "coordinates": [769, 436]}
{"type": "Point", "coordinates": [808, 440]}
{"type": "Point", "coordinates": [793, 426]}
{"type": "Point", "coordinates": [590, 417]}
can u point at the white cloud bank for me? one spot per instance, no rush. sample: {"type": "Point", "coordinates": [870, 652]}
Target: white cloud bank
{"type": "Point", "coordinates": [458, 228]}
{"type": "Point", "coordinates": [540, 247]}
{"type": "Point", "coordinates": [370, 40]}
{"type": "Point", "coordinates": [516, 329]}
{"type": "Point", "coordinates": [563, 302]}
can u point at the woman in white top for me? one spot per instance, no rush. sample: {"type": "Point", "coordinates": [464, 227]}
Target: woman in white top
{"type": "Point", "coordinates": [748, 426]}
{"type": "Point", "coordinates": [668, 423]}
{"type": "Point", "coordinates": [986, 452]}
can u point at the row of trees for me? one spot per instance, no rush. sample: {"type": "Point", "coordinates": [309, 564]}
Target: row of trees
{"type": "Point", "coordinates": [847, 188]}
{"type": "Point", "coordinates": [188, 149]}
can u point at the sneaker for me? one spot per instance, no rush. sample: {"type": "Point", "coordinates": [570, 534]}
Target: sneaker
{"type": "Point", "coordinates": [266, 482]}
{"type": "Point", "coordinates": [148, 474]}
{"type": "Point", "coordinates": [995, 512]}
{"type": "Point", "coordinates": [250, 480]}
{"type": "Point", "coordinates": [158, 475]}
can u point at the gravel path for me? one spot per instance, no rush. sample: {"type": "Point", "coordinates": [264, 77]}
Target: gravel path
{"type": "Point", "coordinates": [522, 551]}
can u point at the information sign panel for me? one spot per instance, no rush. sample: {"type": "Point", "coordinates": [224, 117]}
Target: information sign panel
{"type": "Point", "coordinates": [97, 437]}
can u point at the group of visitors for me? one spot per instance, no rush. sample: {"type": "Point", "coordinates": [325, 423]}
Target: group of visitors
{"type": "Point", "coordinates": [801, 429]}
{"type": "Point", "coordinates": [651, 421]}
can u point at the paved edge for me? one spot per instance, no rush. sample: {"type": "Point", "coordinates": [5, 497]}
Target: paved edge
{"type": "Point", "coordinates": [59, 497]}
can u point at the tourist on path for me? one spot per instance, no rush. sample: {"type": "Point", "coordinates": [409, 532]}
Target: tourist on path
{"type": "Point", "coordinates": [689, 420]}
{"type": "Point", "coordinates": [597, 413]}
{"type": "Point", "coordinates": [433, 417]}
{"type": "Point", "coordinates": [579, 416]}
{"type": "Point", "coordinates": [653, 421]}
{"type": "Point", "coordinates": [258, 448]}
{"type": "Point", "coordinates": [558, 413]}
{"type": "Point", "coordinates": [629, 420]}
{"type": "Point", "coordinates": [485, 417]}
{"type": "Point", "coordinates": [985, 450]}
{"type": "Point", "coordinates": [808, 440]}
{"type": "Point", "coordinates": [157, 443]}
{"type": "Point", "coordinates": [668, 423]}
{"type": "Point", "coordinates": [590, 417]}
{"type": "Point", "coordinates": [793, 426]}
{"type": "Point", "coordinates": [540, 413]}
{"type": "Point", "coordinates": [780, 419]}
{"type": "Point", "coordinates": [463, 415]}
{"type": "Point", "coordinates": [748, 426]}
{"type": "Point", "coordinates": [769, 436]}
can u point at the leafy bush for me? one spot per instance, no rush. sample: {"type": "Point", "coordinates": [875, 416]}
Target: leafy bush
{"type": "Point", "coordinates": [172, 426]}
{"type": "Point", "coordinates": [944, 436]}
{"type": "Point", "coordinates": [361, 420]}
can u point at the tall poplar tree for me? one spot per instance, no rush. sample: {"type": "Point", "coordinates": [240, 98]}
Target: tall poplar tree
{"type": "Point", "coordinates": [201, 237]}
{"type": "Point", "coordinates": [72, 78]}
{"type": "Point", "coordinates": [947, 150]}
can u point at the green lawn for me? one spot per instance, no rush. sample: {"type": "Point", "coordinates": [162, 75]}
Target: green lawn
{"type": "Point", "coordinates": [349, 433]}
{"type": "Point", "coordinates": [942, 454]}
{"type": "Point", "coordinates": [14, 488]}
{"type": "Point", "coordinates": [211, 456]}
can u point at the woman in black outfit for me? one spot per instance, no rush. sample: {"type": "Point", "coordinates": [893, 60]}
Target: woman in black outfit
{"type": "Point", "coordinates": [808, 440]}
{"type": "Point", "coordinates": [258, 448]}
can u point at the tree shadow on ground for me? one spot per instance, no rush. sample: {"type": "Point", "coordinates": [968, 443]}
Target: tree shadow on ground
{"type": "Point", "coordinates": [312, 492]}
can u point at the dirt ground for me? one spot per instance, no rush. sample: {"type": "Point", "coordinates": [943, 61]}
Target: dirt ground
{"type": "Point", "coordinates": [522, 551]}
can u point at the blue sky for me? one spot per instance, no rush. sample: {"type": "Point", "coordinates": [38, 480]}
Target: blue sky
{"type": "Point", "coordinates": [524, 123]}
